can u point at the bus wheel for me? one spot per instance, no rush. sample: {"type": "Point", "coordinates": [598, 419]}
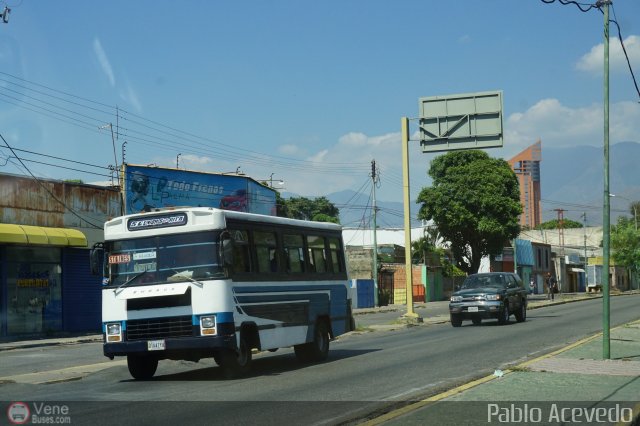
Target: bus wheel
{"type": "Point", "coordinates": [236, 364]}
{"type": "Point", "coordinates": [142, 367]}
{"type": "Point", "coordinates": [315, 351]}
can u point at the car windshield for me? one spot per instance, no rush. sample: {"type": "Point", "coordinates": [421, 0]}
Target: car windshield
{"type": "Point", "coordinates": [483, 281]}
{"type": "Point", "coordinates": [167, 258]}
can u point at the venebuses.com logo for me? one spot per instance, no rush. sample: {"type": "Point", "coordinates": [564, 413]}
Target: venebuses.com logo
{"type": "Point", "coordinates": [19, 413]}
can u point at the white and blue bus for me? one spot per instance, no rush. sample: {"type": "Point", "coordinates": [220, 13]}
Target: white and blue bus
{"type": "Point", "coordinates": [198, 282]}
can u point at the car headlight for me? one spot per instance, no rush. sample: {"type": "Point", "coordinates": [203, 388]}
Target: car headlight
{"type": "Point", "coordinates": [456, 298]}
{"type": "Point", "coordinates": [208, 325]}
{"type": "Point", "coordinates": [493, 296]}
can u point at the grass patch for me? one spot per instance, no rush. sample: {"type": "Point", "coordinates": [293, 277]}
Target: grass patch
{"type": "Point", "coordinates": [520, 369]}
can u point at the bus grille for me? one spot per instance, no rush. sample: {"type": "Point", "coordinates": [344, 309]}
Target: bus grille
{"type": "Point", "coordinates": [158, 328]}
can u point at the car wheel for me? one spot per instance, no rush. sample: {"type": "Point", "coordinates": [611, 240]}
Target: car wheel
{"type": "Point", "coordinates": [476, 321]}
{"type": "Point", "coordinates": [504, 315]}
{"type": "Point", "coordinates": [456, 321]}
{"type": "Point", "coordinates": [521, 315]}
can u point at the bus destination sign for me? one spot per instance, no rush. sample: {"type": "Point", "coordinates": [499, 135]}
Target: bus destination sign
{"type": "Point", "coordinates": [153, 222]}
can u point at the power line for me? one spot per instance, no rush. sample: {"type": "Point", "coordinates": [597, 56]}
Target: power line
{"type": "Point", "coordinates": [586, 7]}
{"type": "Point", "coordinates": [633, 77]}
{"type": "Point", "coordinates": [47, 189]}
{"type": "Point", "coordinates": [59, 158]}
{"type": "Point", "coordinates": [175, 136]}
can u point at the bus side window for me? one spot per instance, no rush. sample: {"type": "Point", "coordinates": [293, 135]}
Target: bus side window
{"type": "Point", "coordinates": [336, 255]}
{"type": "Point", "coordinates": [317, 256]}
{"type": "Point", "coordinates": [266, 251]}
{"type": "Point", "coordinates": [241, 251]}
{"type": "Point", "coordinates": [294, 250]}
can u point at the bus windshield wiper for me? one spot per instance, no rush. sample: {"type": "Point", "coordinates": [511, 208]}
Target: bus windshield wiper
{"type": "Point", "coordinates": [183, 274]}
{"type": "Point", "coordinates": [133, 278]}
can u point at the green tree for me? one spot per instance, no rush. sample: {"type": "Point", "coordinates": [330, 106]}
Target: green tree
{"type": "Point", "coordinates": [625, 244]}
{"type": "Point", "coordinates": [427, 244]}
{"type": "Point", "coordinates": [281, 206]}
{"type": "Point", "coordinates": [555, 224]}
{"type": "Point", "coordinates": [420, 248]}
{"type": "Point", "coordinates": [474, 202]}
{"type": "Point", "coordinates": [318, 209]}
{"type": "Point", "coordinates": [634, 209]}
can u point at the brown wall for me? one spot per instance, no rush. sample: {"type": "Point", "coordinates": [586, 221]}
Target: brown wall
{"type": "Point", "coordinates": [25, 201]}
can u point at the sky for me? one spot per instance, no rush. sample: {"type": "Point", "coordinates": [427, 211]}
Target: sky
{"type": "Point", "coordinates": [303, 94]}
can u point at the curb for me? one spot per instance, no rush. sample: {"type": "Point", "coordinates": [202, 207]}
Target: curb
{"type": "Point", "coordinates": [8, 346]}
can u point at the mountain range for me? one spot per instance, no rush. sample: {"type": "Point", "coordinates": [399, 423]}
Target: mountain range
{"type": "Point", "coordinates": [571, 179]}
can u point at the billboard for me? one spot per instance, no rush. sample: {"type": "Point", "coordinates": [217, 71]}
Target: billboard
{"type": "Point", "coordinates": [146, 188]}
{"type": "Point", "coordinates": [462, 121]}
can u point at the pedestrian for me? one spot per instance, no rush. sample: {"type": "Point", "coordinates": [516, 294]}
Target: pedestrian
{"type": "Point", "coordinates": [532, 285]}
{"type": "Point", "coordinates": [552, 286]}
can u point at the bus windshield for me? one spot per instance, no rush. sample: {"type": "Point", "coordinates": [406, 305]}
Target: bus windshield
{"type": "Point", "coordinates": [163, 259]}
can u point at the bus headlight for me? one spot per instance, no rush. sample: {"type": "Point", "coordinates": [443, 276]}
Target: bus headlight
{"type": "Point", "coordinates": [208, 325]}
{"type": "Point", "coordinates": [114, 332]}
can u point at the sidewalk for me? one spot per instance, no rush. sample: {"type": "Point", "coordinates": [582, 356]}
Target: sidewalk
{"type": "Point", "coordinates": [571, 385]}
{"type": "Point", "coordinates": [41, 342]}
{"type": "Point", "coordinates": [568, 386]}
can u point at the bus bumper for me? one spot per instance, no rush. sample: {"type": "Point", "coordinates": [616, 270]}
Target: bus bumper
{"type": "Point", "coordinates": [173, 348]}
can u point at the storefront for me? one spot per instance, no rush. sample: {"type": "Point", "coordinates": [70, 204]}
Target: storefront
{"type": "Point", "coordinates": [43, 274]}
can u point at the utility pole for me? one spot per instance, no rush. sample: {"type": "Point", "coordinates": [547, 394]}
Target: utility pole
{"type": "Point", "coordinates": [374, 274]}
{"type": "Point", "coordinates": [411, 316]}
{"type": "Point", "coordinates": [124, 151]}
{"type": "Point", "coordinates": [584, 227]}
{"type": "Point", "coordinates": [561, 229]}
{"type": "Point", "coordinates": [606, 224]}
{"type": "Point", "coordinates": [115, 158]}
{"type": "Point", "coordinates": [561, 242]}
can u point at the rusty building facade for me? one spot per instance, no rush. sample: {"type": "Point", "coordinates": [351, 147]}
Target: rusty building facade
{"type": "Point", "coordinates": [526, 166]}
{"type": "Point", "coordinates": [46, 230]}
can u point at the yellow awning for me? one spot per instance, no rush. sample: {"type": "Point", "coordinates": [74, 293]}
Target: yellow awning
{"type": "Point", "coordinates": [41, 235]}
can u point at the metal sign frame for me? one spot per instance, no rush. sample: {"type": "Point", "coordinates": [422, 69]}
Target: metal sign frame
{"type": "Point", "coordinates": [461, 121]}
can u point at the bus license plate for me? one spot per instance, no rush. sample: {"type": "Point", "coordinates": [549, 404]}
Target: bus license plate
{"type": "Point", "coordinates": [156, 345]}
{"type": "Point", "coordinates": [473, 309]}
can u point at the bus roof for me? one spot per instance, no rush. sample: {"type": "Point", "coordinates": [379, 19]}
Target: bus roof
{"type": "Point", "coordinates": [198, 218]}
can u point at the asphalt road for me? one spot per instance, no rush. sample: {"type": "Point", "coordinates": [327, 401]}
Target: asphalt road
{"type": "Point", "coordinates": [365, 372]}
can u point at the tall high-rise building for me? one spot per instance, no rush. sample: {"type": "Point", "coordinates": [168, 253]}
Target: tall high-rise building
{"type": "Point", "coordinates": [526, 166]}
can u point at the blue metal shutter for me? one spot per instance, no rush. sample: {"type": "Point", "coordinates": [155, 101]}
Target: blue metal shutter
{"type": "Point", "coordinates": [81, 292]}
